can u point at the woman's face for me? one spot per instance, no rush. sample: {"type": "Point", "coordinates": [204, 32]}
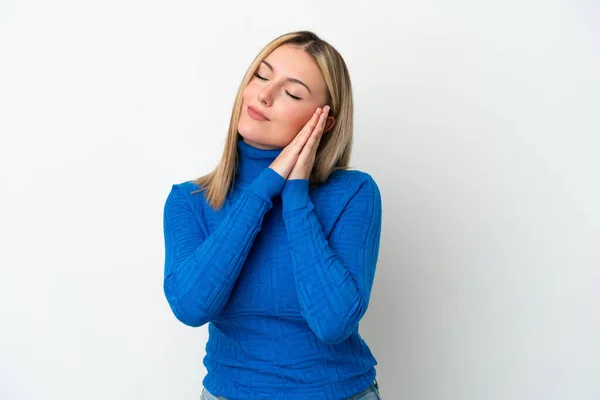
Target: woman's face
{"type": "Point", "coordinates": [287, 88]}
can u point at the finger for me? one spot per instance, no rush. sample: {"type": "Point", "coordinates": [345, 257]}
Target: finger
{"type": "Point", "coordinates": [305, 133]}
{"type": "Point", "coordinates": [308, 127]}
{"type": "Point", "coordinates": [313, 141]}
{"type": "Point", "coordinates": [323, 120]}
{"type": "Point", "coordinates": [312, 122]}
{"type": "Point", "coordinates": [319, 128]}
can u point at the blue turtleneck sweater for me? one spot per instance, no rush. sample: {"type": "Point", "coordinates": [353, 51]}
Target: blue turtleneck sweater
{"type": "Point", "coordinates": [283, 273]}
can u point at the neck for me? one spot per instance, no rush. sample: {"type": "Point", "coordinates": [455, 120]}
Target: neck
{"type": "Point", "coordinates": [252, 161]}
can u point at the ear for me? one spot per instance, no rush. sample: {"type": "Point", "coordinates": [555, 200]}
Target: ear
{"type": "Point", "coordinates": [329, 124]}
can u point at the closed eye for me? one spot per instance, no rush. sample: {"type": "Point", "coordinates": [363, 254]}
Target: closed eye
{"type": "Point", "coordinates": [288, 93]}
{"type": "Point", "coordinates": [292, 96]}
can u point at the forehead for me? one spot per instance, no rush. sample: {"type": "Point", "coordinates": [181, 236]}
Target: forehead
{"type": "Point", "coordinates": [293, 62]}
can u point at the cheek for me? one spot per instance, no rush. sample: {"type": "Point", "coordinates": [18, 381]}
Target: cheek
{"type": "Point", "coordinates": [250, 92]}
{"type": "Point", "coordinates": [296, 117]}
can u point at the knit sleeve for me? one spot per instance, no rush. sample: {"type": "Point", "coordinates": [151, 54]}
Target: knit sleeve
{"type": "Point", "coordinates": [200, 268]}
{"type": "Point", "coordinates": [334, 275]}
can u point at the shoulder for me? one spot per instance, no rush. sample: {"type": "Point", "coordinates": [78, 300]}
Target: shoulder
{"type": "Point", "coordinates": [185, 193]}
{"type": "Point", "coordinates": [186, 188]}
{"type": "Point", "coordinates": [353, 181]}
{"type": "Point", "coordinates": [348, 191]}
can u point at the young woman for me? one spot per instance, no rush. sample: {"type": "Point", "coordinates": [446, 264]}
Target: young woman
{"type": "Point", "coordinates": [277, 247]}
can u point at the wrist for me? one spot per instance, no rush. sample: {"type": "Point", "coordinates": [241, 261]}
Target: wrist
{"type": "Point", "coordinates": [295, 194]}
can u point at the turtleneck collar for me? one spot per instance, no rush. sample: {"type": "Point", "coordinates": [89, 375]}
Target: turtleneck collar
{"type": "Point", "coordinates": [252, 161]}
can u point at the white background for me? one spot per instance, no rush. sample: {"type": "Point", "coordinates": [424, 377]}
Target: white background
{"type": "Point", "coordinates": [478, 120]}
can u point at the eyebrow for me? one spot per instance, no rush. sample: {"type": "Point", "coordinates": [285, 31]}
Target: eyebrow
{"type": "Point", "coordinates": [289, 79]}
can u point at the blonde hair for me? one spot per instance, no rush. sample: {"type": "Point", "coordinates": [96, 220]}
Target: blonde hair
{"type": "Point", "coordinates": [335, 147]}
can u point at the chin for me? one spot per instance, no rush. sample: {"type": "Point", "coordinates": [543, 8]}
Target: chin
{"type": "Point", "coordinates": [258, 135]}
{"type": "Point", "coordinates": [248, 133]}
{"type": "Point", "coordinates": [255, 138]}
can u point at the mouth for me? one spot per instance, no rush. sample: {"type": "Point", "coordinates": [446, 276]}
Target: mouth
{"type": "Point", "coordinates": [256, 114]}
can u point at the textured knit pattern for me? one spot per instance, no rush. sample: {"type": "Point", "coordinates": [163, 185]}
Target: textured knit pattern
{"type": "Point", "coordinates": [283, 273]}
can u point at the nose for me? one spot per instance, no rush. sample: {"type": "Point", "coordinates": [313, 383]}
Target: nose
{"type": "Point", "coordinates": [265, 95]}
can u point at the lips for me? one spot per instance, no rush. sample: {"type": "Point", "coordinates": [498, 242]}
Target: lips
{"type": "Point", "coordinates": [256, 114]}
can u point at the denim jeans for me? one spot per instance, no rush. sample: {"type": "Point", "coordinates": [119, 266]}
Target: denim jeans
{"type": "Point", "coordinates": [370, 393]}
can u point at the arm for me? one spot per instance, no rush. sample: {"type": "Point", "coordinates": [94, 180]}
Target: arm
{"type": "Point", "coordinates": [333, 277]}
{"type": "Point", "coordinates": [200, 270]}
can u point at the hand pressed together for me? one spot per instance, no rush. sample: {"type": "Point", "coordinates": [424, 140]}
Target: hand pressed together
{"type": "Point", "coordinates": [297, 159]}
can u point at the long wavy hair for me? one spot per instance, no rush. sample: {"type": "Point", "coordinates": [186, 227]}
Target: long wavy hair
{"type": "Point", "coordinates": [334, 148]}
